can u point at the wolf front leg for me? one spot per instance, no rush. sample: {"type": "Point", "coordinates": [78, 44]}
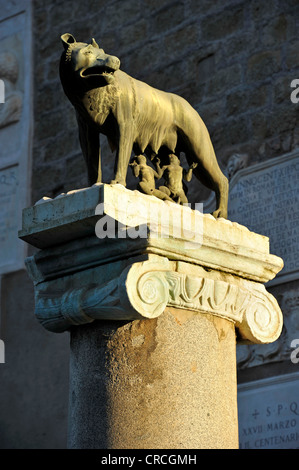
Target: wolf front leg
{"type": "Point", "coordinates": [90, 145]}
{"type": "Point", "coordinates": [123, 155]}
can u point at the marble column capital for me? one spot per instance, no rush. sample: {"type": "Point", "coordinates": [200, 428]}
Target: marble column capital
{"type": "Point", "coordinates": [144, 289]}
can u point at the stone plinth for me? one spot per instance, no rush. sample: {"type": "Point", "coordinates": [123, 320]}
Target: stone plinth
{"type": "Point", "coordinates": [153, 310]}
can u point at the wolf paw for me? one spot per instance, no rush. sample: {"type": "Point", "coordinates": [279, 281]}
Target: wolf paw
{"type": "Point", "coordinates": [220, 213]}
{"type": "Point", "coordinates": [118, 181]}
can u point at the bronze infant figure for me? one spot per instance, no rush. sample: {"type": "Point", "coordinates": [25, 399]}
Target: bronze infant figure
{"type": "Point", "coordinates": [135, 117]}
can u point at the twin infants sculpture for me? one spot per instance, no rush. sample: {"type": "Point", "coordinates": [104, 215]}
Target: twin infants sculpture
{"type": "Point", "coordinates": [137, 117]}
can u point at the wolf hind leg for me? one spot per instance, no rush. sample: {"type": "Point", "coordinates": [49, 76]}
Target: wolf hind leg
{"type": "Point", "coordinates": [221, 191]}
{"type": "Point", "coordinates": [217, 182]}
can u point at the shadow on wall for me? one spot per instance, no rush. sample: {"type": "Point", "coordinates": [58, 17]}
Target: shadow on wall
{"type": "Point", "coordinates": [34, 379]}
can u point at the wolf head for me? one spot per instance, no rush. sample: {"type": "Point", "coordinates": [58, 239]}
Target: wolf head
{"type": "Point", "coordinates": [88, 60]}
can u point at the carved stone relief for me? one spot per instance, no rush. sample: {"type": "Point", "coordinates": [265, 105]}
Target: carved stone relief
{"type": "Point", "coordinates": [11, 110]}
{"type": "Point", "coordinates": [12, 75]}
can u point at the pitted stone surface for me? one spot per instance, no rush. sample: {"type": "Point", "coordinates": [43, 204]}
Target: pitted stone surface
{"type": "Point", "coordinates": [176, 390]}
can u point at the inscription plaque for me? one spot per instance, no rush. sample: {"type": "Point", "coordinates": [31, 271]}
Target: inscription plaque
{"type": "Point", "coordinates": [8, 213]}
{"type": "Point", "coordinates": [269, 413]}
{"type": "Point", "coordinates": [264, 198]}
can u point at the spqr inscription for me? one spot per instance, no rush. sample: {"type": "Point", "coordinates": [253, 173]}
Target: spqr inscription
{"type": "Point", "coordinates": [269, 414]}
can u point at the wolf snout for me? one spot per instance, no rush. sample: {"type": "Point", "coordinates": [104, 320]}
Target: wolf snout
{"type": "Point", "coordinates": [112, 62]}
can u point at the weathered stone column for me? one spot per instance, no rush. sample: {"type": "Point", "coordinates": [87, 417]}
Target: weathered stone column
{"type": "Point", "coordinates": [153, 319]}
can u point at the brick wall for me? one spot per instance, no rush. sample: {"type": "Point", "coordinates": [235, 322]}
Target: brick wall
{"type": "Point", "coordinates": [232, 60]}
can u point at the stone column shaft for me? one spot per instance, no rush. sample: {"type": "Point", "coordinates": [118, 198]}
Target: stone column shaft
{"type": "Point", "coordinates": [168, 382]}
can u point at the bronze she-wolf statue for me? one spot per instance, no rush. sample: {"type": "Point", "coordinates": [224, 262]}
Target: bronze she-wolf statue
{"type": "Point", "coordinates": [135, 117]}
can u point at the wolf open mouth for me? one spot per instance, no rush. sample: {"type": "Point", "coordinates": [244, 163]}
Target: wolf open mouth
{"type": "Point", "coordinates": [97, 70]}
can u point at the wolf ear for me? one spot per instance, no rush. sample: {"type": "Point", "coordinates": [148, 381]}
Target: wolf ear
{"type": "Point", "coordinates": [94, 43]}
{"type": "Point", "coordinates": [67, 39]}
